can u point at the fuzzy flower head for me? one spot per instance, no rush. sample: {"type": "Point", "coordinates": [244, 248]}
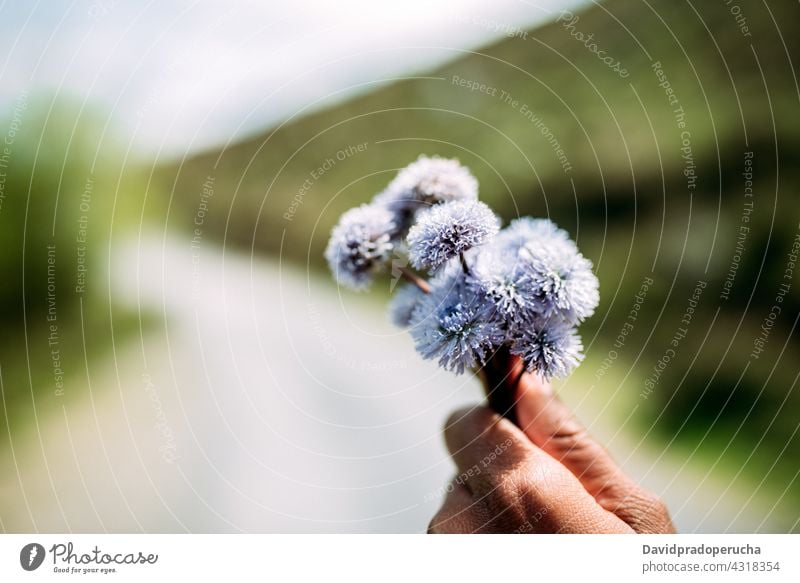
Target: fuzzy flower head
{"type": "Point", "coordinates": [401, 203]}
{"type": "Point", "coordinates": [527, 230]}
{"type": "Point", "coordinates": [445, 231]}
{"type": "Point", "coordinates": [452, 325]}
{"type": "Point", "coordinates": [424, 183]}
{"type": "Point", "coordinates": [505, 281]}
{"type": "Point", "coordinates": [403, 303]}
{"type": "Point", "coordinates": [435, 180]}
{"type": "Point", "coordinates": [550, 348]}
{"type": "Point", "coordinates": [360, 245]}
{"type": "Point", "coordinates": [563, 282]}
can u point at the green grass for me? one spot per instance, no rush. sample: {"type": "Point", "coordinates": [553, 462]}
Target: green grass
{"type": "Point", "coordinates": [67, 196]}
{"type": "Point", "coordinates": [32, 385]}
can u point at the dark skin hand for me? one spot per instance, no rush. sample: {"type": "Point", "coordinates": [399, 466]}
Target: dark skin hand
{"type": "Point", "coordinates": [546, 475]}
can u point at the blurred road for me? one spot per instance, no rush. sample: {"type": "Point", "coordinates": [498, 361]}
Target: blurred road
{"type": "Point", "coordinates": [262, 400]}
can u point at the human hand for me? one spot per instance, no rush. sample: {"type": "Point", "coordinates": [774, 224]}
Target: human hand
{"type": "Point", "coordinates": [545, 476]}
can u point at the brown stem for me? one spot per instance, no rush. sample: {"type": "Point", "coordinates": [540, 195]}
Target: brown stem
{"type": "Point", "coordinates": [412, 277]}
{"type": "Point", "coordinates": [463, 263]}
{"type": "Point", "coordinates": [503, 371]}
{"type": "Point", "coordinates": [500, 377]}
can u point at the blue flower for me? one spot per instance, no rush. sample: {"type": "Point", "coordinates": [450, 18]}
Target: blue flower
{"type": "Point", "coordinates": [453, 325]}
{"type": "Point", "coordinates": [360, 245]}
{"type": "Point", "coordinates": [562, 279]}
{"type": "Point", "coordinates": [433, 180]}
{"type": "Point", "coordinates": [424, 183]}
{"type": "Point", "coordinates": [402, 204]}
{"type": "Point", "coordinates": [524, 288]}
{"type": "Point", "coordinates": [505, 280]}
{"type": "Point", "coordinates": [444, 231]}
{"type": "Point", "coordinates": [528, 230]}
{"type": "Point", "coordinates": [535, 270]}
{"type": "Point", "coordinates": [402, 305]}
{"type": "Point", "coordinates": [548, 347]}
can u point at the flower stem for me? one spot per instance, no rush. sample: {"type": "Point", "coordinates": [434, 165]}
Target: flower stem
{"type": "Point", "coordinates": [463, 263]}
{"type": "Point", "coordinates": [412, 277]}
{"type": "Point", "coordinates": [500, 377]}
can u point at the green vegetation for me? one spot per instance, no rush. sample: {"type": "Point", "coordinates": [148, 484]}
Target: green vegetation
{"type": "Point", "coordinates": [64, 194]}
{"type": "Point", "coordinates": [651, 188]}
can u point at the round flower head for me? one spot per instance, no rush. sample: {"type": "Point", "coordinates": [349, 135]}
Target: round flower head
{"type": "Point", "coordinates": [434, 180]}
{"type": "Point", "coordinates": [403, 303]}
{"type": "Point", "coordinates": [505, 281]}
{"type": "Point", "coordinates": [401, 203]}
{"type": "Point", "coordinates": [452, 324]}
{"type": "Point", "coordinates": [360, 245]}
{"type": "Point", "coordinates": [426, 182]}
{"type": "Point", "coordinates": [527, 230]}
{"type": "Point", "coordinates": [445, 231]}
{"type": "Point", "coordinates": [563, 282]}
{"type": "Point", "coordinates": [550, 348]}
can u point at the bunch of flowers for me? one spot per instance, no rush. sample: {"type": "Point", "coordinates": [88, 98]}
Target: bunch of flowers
{"type": "Point", "coordinates": [521, 290]}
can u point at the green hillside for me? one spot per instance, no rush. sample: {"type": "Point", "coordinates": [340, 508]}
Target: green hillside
{"type": "Point", "coordinates": [649, 171]}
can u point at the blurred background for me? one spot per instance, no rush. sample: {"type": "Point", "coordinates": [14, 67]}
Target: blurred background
{"type": "Point", "coordinates": [174, 355]}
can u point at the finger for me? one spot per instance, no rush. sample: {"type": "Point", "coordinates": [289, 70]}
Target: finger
{"type": "Point", "coordinates": [510, 480]}
{"type": "Point", "coordinates": [484, 445]}
{"type": "Point", "coordinates": [458, 514]}
{"type": "Point", "coordinates": [550, 425]}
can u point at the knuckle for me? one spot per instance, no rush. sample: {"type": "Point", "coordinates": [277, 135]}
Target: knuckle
{"type": "Point", "coordinates": [497, 478]}
{"type": "Point", "coordinates": [519, 499]}
{"type": "Point", "coordinates": [533, 507]}
{"type": "Point", "coordinates": [486, 484]}
{"type": "Point", "coordinates": [507, 503]}
{"type": "Point", "coordinates": [647, 513]}
{"type": "Point", "coordinates": [569, 437]}
{"type": "Point", "coordinates": [652, 504]}
{"type": "Point", "coordinates": [660, 510]}
{"type": "Point", "coordinates": [493, 483]}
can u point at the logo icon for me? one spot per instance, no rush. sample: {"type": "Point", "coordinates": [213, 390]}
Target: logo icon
{"type": "Point", "coordinates": [31, 556]}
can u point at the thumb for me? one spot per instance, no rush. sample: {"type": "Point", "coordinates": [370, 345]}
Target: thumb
{"type": "Point", "coordinates": [550, 425]}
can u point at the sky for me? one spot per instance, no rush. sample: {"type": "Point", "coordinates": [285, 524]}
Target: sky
{"type": "Point", "coordinates": [179, 76]}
